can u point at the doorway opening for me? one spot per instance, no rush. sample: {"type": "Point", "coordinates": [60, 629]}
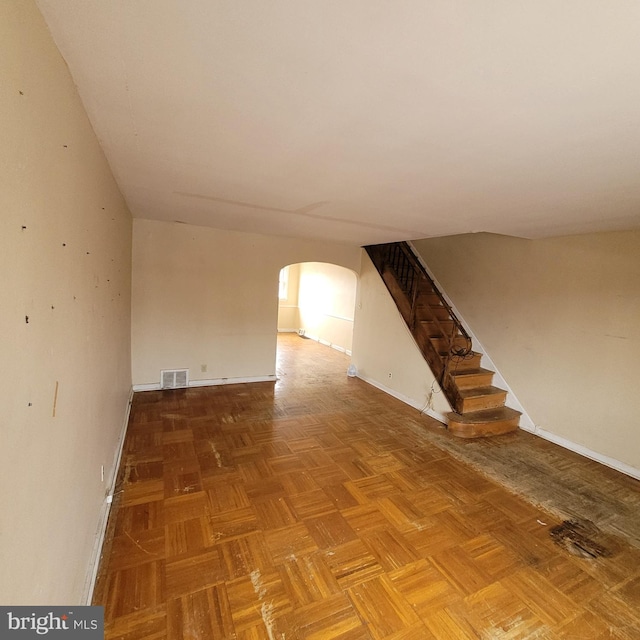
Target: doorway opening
{"type": "Point", "coordinates": [317, 301]}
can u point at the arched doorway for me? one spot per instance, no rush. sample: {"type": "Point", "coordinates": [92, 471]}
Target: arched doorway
{"type": "Point", "coordinates": [317, 300]}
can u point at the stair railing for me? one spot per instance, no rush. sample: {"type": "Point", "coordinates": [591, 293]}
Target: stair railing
{"type": "Point", "coordinates": [409, 275]}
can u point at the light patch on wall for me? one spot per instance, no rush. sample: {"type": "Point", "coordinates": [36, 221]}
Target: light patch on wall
{"type": "Point", "coordinates": [283, 283]}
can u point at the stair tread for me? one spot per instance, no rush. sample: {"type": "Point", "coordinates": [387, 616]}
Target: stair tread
{"type": "Point", "coordinates": [474, 392]}
{"type": "Point", "coordinates": [485, 415]}
{"type": "Point", "coordinates": [467, 363]}
{"type": "Point", "coordinates": [442, 336]}
{"type": "Point", "coordinates": [448, 323]}
{"type": "Point", "coordinates": [457, 360]}
{"type": "Point", "coordinates": [472, 354]}
{"type": "Point", "coordinates": [443, 325]}
{"type": "Point", "coordinates": [430, 324]}
{"type": "Point", "coordinates": [471, 372]}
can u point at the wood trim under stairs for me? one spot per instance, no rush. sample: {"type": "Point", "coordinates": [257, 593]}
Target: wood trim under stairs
{"type": "Point", "coordinates": [478, 407]}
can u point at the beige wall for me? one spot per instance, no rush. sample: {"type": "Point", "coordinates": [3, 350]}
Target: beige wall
{"type": "Point", "coordinates": [559, 317]}
{"type": "Point", "coordinates": [208, 297]}
{"type": "Point", "coordinates": [65, 252]}
{"type": "Point", "coordinates": [327, 298]}
{"type": "Point", "coordinates": [383, 345]}
{"type": "Point", "coordinates": [288, 314]}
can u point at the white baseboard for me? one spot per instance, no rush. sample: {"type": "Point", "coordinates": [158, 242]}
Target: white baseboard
{"type": "Point", "coordinates": [287, 331]}
{"type": "Point", "coordinates": [219, 381]}
{"type": "Point", "coordinates": [341, 349]}
{"type": "Point", "coordinates": [436, 415]}
{"type": "Point", "coordinates": [622, 467]}
{"type": "Point", "coordinates": [155, 386]}
{"type": "Point", "coordinates": [96, 555]}
{"type": "Point", "coordinates": [326, 343]}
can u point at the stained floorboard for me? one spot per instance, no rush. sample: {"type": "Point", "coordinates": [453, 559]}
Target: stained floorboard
{"type": "Point", "coordinates": [317, 507]}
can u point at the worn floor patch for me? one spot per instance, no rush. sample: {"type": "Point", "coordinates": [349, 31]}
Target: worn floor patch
{"type": "Point", "coordinates": [582, 539]}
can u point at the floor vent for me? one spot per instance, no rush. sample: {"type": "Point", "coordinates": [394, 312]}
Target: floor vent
{"type": "Point", "coordinates": [174, 378]}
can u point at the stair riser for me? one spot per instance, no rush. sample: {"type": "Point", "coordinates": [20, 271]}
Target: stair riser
{"type": "Point", "coordinates": [466, 363]}
{"type": "Point", "coordinates": [427, 312]}
{"type": "Point", "coordinates": [430, 298]}
{"type": "Point", "coordinates": [478, 403]}
{"type": "Point", "coordinates": [443, 344]}
{"type": "Point", "coordinates": [437, 328]}
{"type": "Point", "coordinates": [482, 430]}
{"type": "Point", "coordinates": [472, 381]}
{"type": "Point", "coordinates": [440, 312]}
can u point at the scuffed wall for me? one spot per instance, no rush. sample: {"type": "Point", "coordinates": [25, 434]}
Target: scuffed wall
{"type": "Point", "coordinates": [65, 258]}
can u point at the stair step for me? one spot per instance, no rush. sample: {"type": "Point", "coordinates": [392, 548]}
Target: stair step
{"type": "Point", "coordinates": [465, 363]}
{"type": "Point", "coordinates": [434, 311]}
{"type": "Point", "coordinates": [436, 328]}
{"type": "Point", "coordinates": [470, 378]}
{"type": "Point", "coordinates": [442, 344]}
{"type": "Point", "coordinates": [430, 297]}
{"type": "Point", "coordinates": [479, 424]}
{"type": "Point", "coordinates": [425, 311]}
{"type": "Point", "coordinates": [481, 398]}
{"type": "Point", "coordinates": [424, 286]}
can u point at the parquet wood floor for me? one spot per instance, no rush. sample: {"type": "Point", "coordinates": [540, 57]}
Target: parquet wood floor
{"type": "Point", "coordinates": [313, 508]}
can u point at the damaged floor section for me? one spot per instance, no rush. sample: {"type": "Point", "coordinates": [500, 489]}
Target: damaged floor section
{"type": "Point", "coordinates": [317, 507]}
{"type": "Point", "coordinates": [562, 482]}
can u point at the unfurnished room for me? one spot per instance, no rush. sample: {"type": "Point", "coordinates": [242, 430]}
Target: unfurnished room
{"type": "Point", "coordinates": [320, 320]}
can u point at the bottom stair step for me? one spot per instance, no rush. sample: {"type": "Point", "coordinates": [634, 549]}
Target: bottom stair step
{"type": "Point", "coordinates": [479, 424]}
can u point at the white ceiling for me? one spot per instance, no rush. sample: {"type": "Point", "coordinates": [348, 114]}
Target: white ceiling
{"type": "Point", "coordinates": [365, 121]}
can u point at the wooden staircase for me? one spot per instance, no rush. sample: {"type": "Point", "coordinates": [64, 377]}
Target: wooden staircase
{"type": "Point", "coordinates": [478, 407]}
